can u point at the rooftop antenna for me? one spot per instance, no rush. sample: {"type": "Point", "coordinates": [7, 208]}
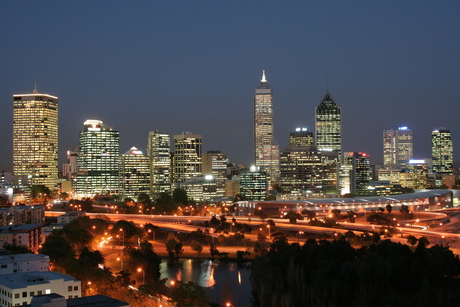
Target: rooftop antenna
{"type": "Point", "coordinates": [35, 89]}
{"type": "Point", "coordinates": [263, 77]}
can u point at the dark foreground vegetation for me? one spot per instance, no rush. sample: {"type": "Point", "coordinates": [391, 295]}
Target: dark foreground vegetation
{"type": "Point", "coordinates": [333, 273]}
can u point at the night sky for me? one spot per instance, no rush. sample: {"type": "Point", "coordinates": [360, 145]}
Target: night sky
{"type": "Point", "coordinates": [193, 66]}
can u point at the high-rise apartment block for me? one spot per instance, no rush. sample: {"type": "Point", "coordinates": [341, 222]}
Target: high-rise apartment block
{"type": "Point", "coordinates": [301, 137]}
{"type": "Point", "coordinates": [97, 161]}
{"type": "Point", "coordinates": [328, 125]}
{"type": "Point", "coordinates": [134, 174]}
{"type": "Point", "coordinates": [397, 147]}
{"type": "Point", "coordinates": [442, 152]}
{"type": "Point", "coordinates": [159, 153]}
{"type": "Point", "coordinates": [187, 156]}
{"type": "Point", "coordinates": [35, 138]}
{"type": "Point", "coordinates": [266, 150]}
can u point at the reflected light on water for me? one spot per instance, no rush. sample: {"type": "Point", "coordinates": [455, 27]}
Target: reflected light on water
{"type": "Point", "coordinates": [239, 277]}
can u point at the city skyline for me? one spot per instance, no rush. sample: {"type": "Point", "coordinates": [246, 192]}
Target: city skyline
{"type": "Point", "coordinates": [194, 68]}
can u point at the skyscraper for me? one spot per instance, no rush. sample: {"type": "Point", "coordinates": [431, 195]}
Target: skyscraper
{"type": "Point", "coordinates": [215, 164]}
{"type": "Point", "coordinates": [442, 151]}
{"type": "Point", "coordinates": [187, 156]}
{"type": "Point", "coordinates": [397, 147]}
{"type": "Point", "coordinates": [360, 171]}
{"type": "Point", "coordinates": [328, 125]}
{"type": "Point", "coordinates": [35, 138]}
{"type": "Point", "coordinates": [134, 174]}
{"type": "Point", "coordinates": [266, 150]}
{"type": "Point", "coordinates": [159, 152]}
{"type": "Point", "coordinates": [97, 161]}
{"type": "Point", "coordinates": [301, 137]}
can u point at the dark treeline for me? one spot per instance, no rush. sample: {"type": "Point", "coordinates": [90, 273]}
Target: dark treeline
{"type": "Point", "coordinates": [325, 273]}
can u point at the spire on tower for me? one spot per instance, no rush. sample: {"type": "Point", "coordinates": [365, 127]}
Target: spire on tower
{"type": "Point", "coordinates": [35, 89]}
{"type": "Point", "coordinates": [263, 77]}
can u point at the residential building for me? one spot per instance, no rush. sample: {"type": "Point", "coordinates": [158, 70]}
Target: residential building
{"type": "Point", "coordinates": [187, 156]}
{"type": "Point", "coordinates": [35, 138]}
{"type": "Point", "coordinates": [19, 288]}
{"type": "Point", "coordinates": [97, 161]}
{"type": "Point", "coordinates": [397, 147]}
{"type": "Point", "coordinates": [56, 300]}
{"type": "Point", "coordinates": [21, 263]}
{"type": "Point", "coordinates": [27, 235]}
{"type": "Point", "coordinates": [134, 174]}
{"type": "Point", "coordinates": [159, 153]}
{"type": "Point", "coordinates": [328, 125]}
{"type": "Point", "coordinates": [266, 149]}
{"type": "Point", "coordinates": [301, 137]}
{"type": "Point", "coordinates": [68, 217]}
{"type": "Point", "coordinates": [19, 215]}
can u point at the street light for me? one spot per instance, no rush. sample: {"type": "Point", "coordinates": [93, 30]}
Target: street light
{"type": "Point", "coordinates": [268, 226]}
{"type": "Point", "coordinates": [153, 233]}
{"type": "Point", "coordinates": [121, 264]}
{"type": "Point", "coordinates": [143, 275]}
{"type": "Point", "coordinates": [123, 234]}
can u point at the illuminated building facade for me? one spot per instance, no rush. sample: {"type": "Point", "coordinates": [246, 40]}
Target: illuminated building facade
{"type": "Point", "coordinates": [215, 164]}
{"type": "Point", "coordinates": [360, 171]}
{"type": "Point", "coordinates": [266, 150]}
{"type": "Point", "coordinates": [415, 175]}
{"type": "Point", "coordinates": [301, 137]}
{"type": "Point", "coordinates": [328, 125]}
{"type": "Point", "coordinates": [187, 156]}
{"type": "Point", "coordinates": [397, 147]}
{"type": "Point", "coordinates": [442, 152]}
{"type": "Point", "coordinates": [35, 138]}
{"type": "Point", "coordinates": [159, 153]}
{"type": "Point", "coordinates": [134, 174]}
{"type": "Point", "coordinates": [98, 158]}
{"type": "Point", "coordinates": [254, 184]}
{"type": "Point", "coordinates": [200, 187]}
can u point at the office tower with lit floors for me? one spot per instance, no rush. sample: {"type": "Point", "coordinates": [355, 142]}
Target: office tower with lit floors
{"type": "Point", "coordinates": [215, 164]}
{"type": "Point", "coordinates": [266, 150]}
{"type": "Point", "coordinates": [159, 153]}
{"type": "Point", "coordinates": [134, 174]}
{"type": "Point", "coordinates": [187, 156]}
{"type": "Point", "coordinates": [442, 155]}
{"type": "Point", "coordinates": [359, 171]}
{"type": "Point", "coordinates": [328, 125]}
{"type": "Point", "coordinates": [35, 138]}
{"type": "Point", "coordinates": [397, 147]}
{"type": "Point", "coordinates": [301, 137]}
{"type": "Point", "coordinates": [98, 158]}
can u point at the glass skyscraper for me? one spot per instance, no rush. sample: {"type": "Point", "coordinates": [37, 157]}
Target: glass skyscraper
{"type": "Point", "coordinates": [134, 174]}
{"type": "Point", "coordinates": [35, 138]}
{"type": "Point", "coordinates": [97, 161]}
{"type": "Point", "coordinates": [187, 156]}
{"type": "Point", "coordinates": [397, 147]}
{"type": "Point", "coordinates": [442, 151]}
{"type": "Point", "coordinates": [159, 152]}
{"type": "Point", "coordinates": [328, 125]}
{"type": "Point", "coordinates": [266, 150]}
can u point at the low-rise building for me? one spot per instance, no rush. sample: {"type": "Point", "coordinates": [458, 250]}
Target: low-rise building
{"type": "Point", "coordinates": [28, 235]}
{"type": "Point", "coordinates": [19, 288]}
{"type": "Point", "coordinates": [21, 263]}
{"type": "Point", "coordinates": [69, 217]}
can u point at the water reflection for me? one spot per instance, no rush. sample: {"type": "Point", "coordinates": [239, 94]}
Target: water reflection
{"type": "Point", "coordinates": [226, 281]}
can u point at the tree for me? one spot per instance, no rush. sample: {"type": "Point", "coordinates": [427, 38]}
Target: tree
{"type": "Point", "coordinates": [404, 210]}
{"type": "Point", "coordinates": [189, 294]}
{"type": "Point", "coordinates": [389, 208]}
{"type": "Point", "coordinates": [197, 247]}
{"type": "Point", "coordinates": [336, 213]}
{"type": "Point", "coordinates": [144, 199]}
{"type": "Point", "coordinates": [179, 196]}
{"type": "Point", "coordinates": [57, 247]}
{"type": "Point", "coordinates": [90, 258]}
{"type": "Point", "coordinates": [412, 240]}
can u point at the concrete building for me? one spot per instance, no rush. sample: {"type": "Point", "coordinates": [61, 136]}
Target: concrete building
{"type": "Point", "coordinates": [19, 215]}
{"type": "Point", "coordinates": [159, 153]}
{"type": "Point", "coordinates": [97, 161]}
{"type": "Point", "coordinates": [68, 217]}
{"type": "Point", "coordinates": [134, 174]}
{"type": "Point", "coordinates": [200, 187]}
{"type": "Point", "coordinates": [266, 149]}
{"type": "Point", "coordinates": [19, 288]}
{"type": "Point", "coordinates": [28, 235]}
{"type": "Point", "coordinates": [21, 263]}
{"type": "Point", "coordinates": [35, 138]}
{"type": "Point", "coordinates": [397, 147]}
{"type": "Point", "coordinates": [187, 156]}
{"type": "Point", "coordinates": [328, 125]}
{"type": "Point", "coordinates": [56, 300]}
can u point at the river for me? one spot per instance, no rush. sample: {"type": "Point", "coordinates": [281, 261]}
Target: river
{"type": "Point", "coordinates": [228, 282]}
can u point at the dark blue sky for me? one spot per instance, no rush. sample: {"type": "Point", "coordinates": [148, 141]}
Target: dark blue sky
{"type": "Point", "coordinates": [193, 66]}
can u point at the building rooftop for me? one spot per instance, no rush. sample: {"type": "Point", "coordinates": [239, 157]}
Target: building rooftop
{"type": "Point", "coordinates": [23, 258]}
{"type": "Point", "coordinates": [23, 280]}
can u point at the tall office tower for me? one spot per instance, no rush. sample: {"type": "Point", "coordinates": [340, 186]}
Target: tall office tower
{"type": "Point", "coordinates": [397, 147]}
{"type": "Point", "coordinates": [266, 150]}
{"type": "Point", "coordinates": [442, 152]}
{"type": "Point", "coordinates": [301, 137]}
{"type": "Point", "coordinates": [69, 170]}
{"type": "Point", "coordinates": [360, 171]}
{"type": "Point", "coordinates": [187, 156]}
{"type": "Point", "coordinates": [328, 125]}
{"type": "Point", "coordinates": [253, 184]}
{"type": "Point", "coordinates": [35, 138]}
{"type": "Point", "coordinates": [97, 161]}
{"type": "Point", "coordinates": [159, 152]}
{"type": "Point", "coordinates": [215, 164]}
{"type": "Point", "coordinates": [134, 174]}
